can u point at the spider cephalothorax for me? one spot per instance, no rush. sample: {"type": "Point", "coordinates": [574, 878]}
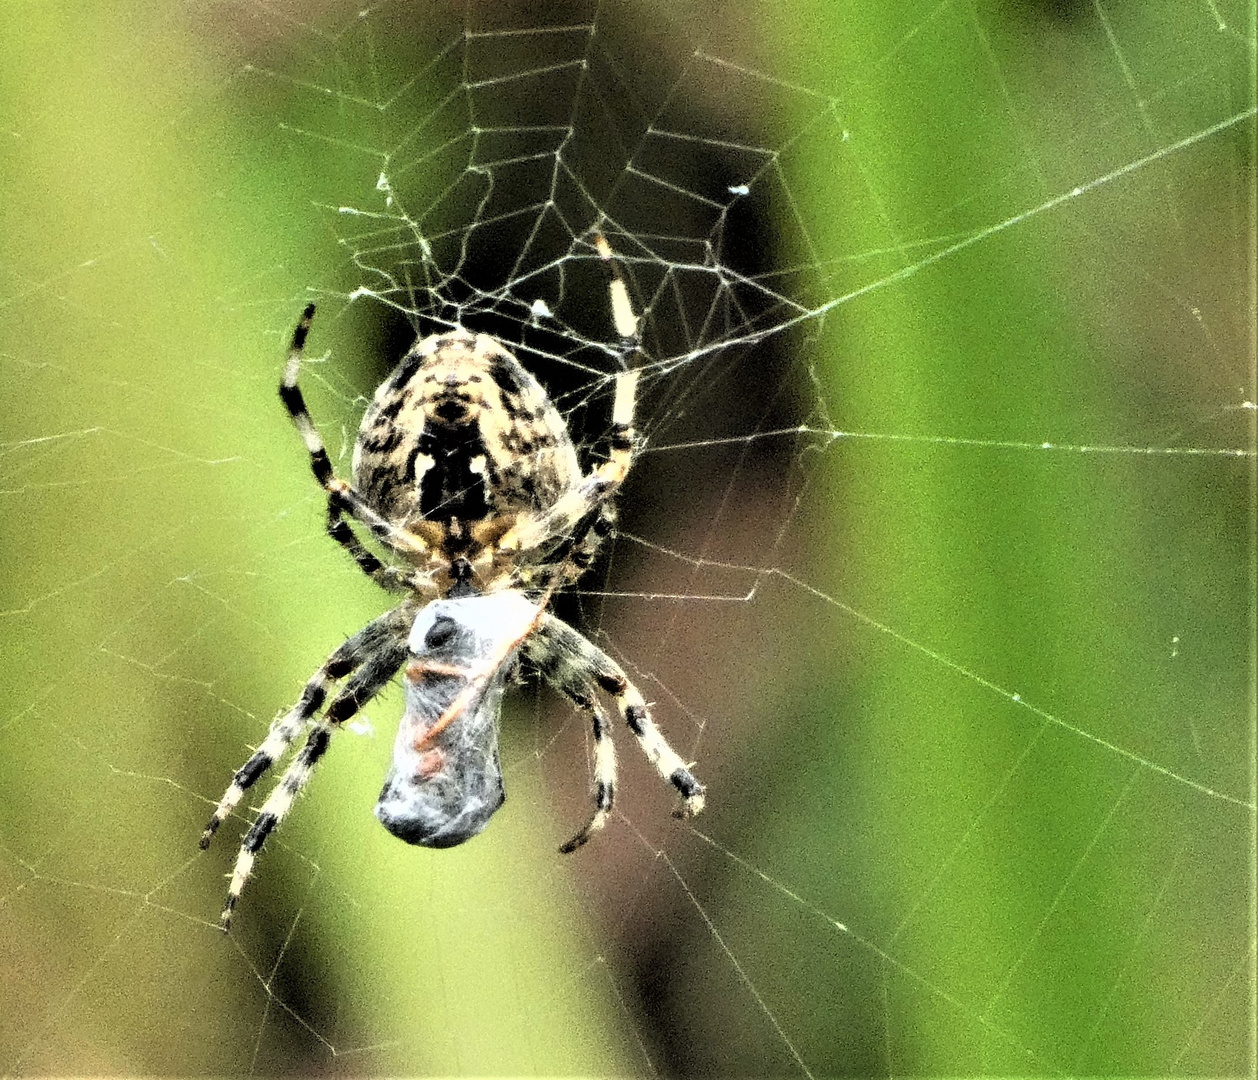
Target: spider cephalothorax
{"type": "Point", "coordinates": [465, 470]}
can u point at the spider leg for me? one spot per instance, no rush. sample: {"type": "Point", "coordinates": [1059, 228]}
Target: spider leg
{"type": "Point", "coordinates": [571, 662]}
{"type": "Point", "coordinates": [341, 496]}
{"type": "Point", "coordinates": [387, 577]}
{"type": "Point", "coordinates": [286, 728]}
{"type": "Point", "coordinates": [604, 777]}
{"type": "Point", "coordinates": [535, 531]}
{"type": "Point", "coordinates": [573, 556]}
{"type": "Point", "coordinates": [373, 674]}
{"type": "Point", "coordinates": [277, 805]}
{"type": "Point", "coordinates": [564, 674]}
{"type": "Point", "coordinates": [622, 307]}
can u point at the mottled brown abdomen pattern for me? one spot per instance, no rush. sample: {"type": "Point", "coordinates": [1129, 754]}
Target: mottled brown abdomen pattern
{"type": "Point", "coordinates": [461, 432]}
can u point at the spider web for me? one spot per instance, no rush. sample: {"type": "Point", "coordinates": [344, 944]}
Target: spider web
{"type": "Point", "coordinates": [940, 560]}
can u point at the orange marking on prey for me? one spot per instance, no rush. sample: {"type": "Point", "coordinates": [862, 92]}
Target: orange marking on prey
{"type": "Point", "coordinates": [476, 682]}
{"type": "Point", "coordinates": [431, 762]}
{"type": "Point", "coordinates": [417, 669]}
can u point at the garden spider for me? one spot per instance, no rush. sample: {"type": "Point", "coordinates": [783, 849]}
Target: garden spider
{"type": "Point", "coordinates": [464, 469]}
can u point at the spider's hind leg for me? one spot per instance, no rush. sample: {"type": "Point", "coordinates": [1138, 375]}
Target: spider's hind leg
{"type": "Point", "coordinates": [535, 531]}
{"type": "Point", "coordinates": [342, 497]}
{"type": "Point", "coordinates": [384, 575]}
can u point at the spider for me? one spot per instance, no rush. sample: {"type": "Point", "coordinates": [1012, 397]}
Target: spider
{"type": "Point", "coordinates": [464, 469]}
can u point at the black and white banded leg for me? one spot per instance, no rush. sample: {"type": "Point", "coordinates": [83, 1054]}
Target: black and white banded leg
{"type": "Point", "coordinates": [536, 531]}
{"type": "Point", "coordinates": [387, 577]}
{"type": "Point", "coordinates": [342, 498]}
{"type": "Point", "coordinates": [285, 729]}
{"type": "Point", "coordinates": [575, 665]}
{"type": "Point", "coordinates": [373, 656]}
{"type": "Point", "coordinates": [362, 686]}
{"type": "Point", "coordinates": [574, 556]}
{"type": "Point", "coordinates": [282, 734]}
{"type": "Point", "coordinates": [604, 777]}
{"type": "Point", "coordinates": [560, 671]}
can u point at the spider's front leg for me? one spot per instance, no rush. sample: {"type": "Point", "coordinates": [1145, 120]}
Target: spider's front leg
{"type": "Point", "coordinates": [370, 658]}
{"type": "Point", "coordinates": [575, 666]}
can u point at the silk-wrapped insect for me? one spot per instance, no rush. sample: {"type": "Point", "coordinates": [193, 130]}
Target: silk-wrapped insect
{"type": "Point", "coordinates": [446, 780]}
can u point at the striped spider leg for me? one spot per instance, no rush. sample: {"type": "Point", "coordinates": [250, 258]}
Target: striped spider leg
{"type": "Point", "coordinates": [590, 498]}
{"type": "Point", "coordinates": [368, 660]}
{"type": "Point", "coordinates": [579, 668]}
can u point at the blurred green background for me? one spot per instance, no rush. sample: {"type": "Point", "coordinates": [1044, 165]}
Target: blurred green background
{"type": "Point", "coordinates": [965, 655]}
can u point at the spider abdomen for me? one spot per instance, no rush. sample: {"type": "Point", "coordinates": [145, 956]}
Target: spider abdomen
{"type": "Point", "coordinates": [461, 432]}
